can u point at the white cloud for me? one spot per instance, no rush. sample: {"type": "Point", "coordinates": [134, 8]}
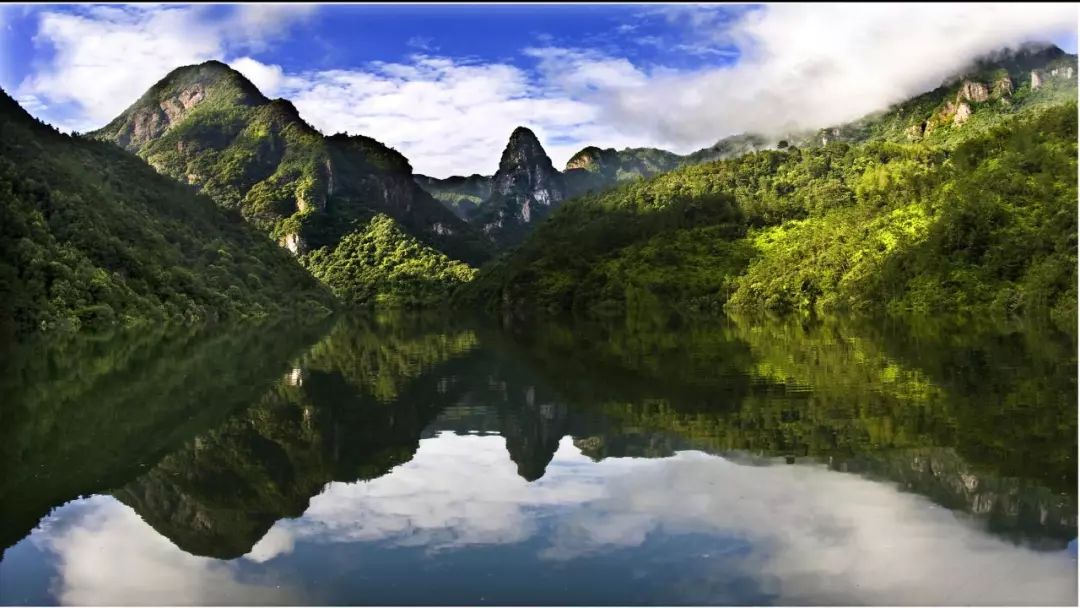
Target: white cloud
{"type": "Point", "coordinates": [268, 78]}
{"type": "Point", "coordinates": [105, 57]}
{"type": "Point", "coordinates": [448, 117]}
{"type": "Point", "coordinates": [424, 43]}
{"type": "Point", "coordinates": [436, 500]}
{"type": "Point", "coordinates": [107, 555]}
{"type": "Point", "coordinates": [815, 535]}
{"type": "Point", "coordinates": [809, 66]}
{"type": "Point", "coordinates": [802, 66]}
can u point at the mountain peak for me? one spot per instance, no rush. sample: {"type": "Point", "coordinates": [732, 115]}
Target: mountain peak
{"type": "Point", "coordinates": [172, 97]}
{"type": "Point", "coordinates": [521, 132]}
{"type": "Point", "coordinates": [522, 149]}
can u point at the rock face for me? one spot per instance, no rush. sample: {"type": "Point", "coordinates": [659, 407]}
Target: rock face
{"type": "Point", "coordinates": [972, 91]}
{"type": "Point", "coordinates": [963, 113]}
{"type": "Point", "coordinates": [524, 189]}
{"type": "Point", "coordinates": [1063, 72]}
{"type": "Point", "coordinates": [169, 101]}
{"type": "Point", "coordinates": [1003, 87]}
{"type": "Point", "coordinates": [208, 126]}
{"type": "Point", "coordinates": [1036, 80]}
{"type": "Point", "coordinates": [591, 158]}
{"type": "Point", "coordinates": [526, 173]}
{"type": "Point", "coordinates": [527, 186]}
{"type": "Point", "coordinates": [294, 243]}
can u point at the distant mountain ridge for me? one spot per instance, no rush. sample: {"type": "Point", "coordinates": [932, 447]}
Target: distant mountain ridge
{"type": "Point", "coordinates": [960, 200]}
{"type": "Point", "coordinates": [995, 77]}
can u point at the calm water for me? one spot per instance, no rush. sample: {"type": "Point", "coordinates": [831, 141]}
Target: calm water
{"type": "Point", "coordinates": [409, 460]}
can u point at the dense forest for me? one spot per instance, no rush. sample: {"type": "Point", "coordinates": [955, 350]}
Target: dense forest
{"type": "Point", "coordinates": [91, 236]}
{"type": "Point", "coordinates": [383, 265]}
{"type": "Point", "coordinates": [979, 216]}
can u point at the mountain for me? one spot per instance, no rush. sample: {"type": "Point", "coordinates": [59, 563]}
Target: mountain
{"type": "Point", "coordinates": [90, 236]}
{"type": "Point", "coordinates": [527, 186]}
{"type": "Point", "coordinates": [729, 147]}
{"type": "Point", "coordinates": [979, 214]}
{"type": "Point", "coordinates": [998, 84]}
{"type": "Point", "coordinates": [462, 195]}
{"type": "Point", "coordinates": [523, 190]}
{"type": "Point", "coordinates": [97, 410]}
{"type": "Point", "coordinates": [382, 264]}
{"type": "Point", "coordinates": [593, 169]}
{"type": "Point", "coordinates": [208, 126]}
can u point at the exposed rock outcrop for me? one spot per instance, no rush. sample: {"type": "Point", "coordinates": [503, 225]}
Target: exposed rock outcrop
{"type": "Point", "coordinates": [1063, 72]}
{"type": "Point", "coordinates": [524, 189]}
{"type": "Point", "coordinates": [972, 91]}
{"type": "Point", "coordinates": [294, 243]}
{"type": "Point", "coordinates": [963, 113]}
{"type": "Point", "coordinates": [1003, 87]}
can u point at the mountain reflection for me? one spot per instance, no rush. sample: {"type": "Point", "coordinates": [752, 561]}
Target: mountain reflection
{"type": "Point", "coordinates": [920, 452]}
{"type": "Point", "coordinates": [788, 535]}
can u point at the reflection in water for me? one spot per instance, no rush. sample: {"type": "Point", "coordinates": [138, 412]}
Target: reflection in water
{"type": "Point", "coordinates": [780, 534]}
{"type": "Point", "coordinates": [403, 459]}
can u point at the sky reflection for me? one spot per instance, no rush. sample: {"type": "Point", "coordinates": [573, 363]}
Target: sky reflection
{"type": "Point", "coordinates": [727, 532]}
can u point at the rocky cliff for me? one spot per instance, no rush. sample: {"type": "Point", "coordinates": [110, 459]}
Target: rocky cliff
{"type": "Point", "coordinates": [527, 185]}
{"type": "Point", "coordinates": [524, 189]}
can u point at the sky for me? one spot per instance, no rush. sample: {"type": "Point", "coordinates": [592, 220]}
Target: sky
{"type": "Point", "coordinates": [447, 84]}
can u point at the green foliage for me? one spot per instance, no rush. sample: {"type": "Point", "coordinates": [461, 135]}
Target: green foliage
{"type": "Point", "coordinates": [207, 126]}
{"type": "Point", "coordinates": [993, 228]}
{"type": "Point", "coordinates": [93, 237]}
{"type": "Point", "coordinates": [987, 223]}
{"type": "Point", "coordinates": [383, 265]}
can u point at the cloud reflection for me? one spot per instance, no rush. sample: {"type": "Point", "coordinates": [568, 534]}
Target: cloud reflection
{"type": "Point", "coordinates": [801, 534]}
{"type": "Point", "coordinates": [107, 555]}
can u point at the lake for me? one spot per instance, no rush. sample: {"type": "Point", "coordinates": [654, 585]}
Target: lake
{"type": "Point", "coordinates": [408, 459]}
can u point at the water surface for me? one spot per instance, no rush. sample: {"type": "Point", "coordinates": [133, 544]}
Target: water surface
{"type": "Point", "coordinates": [394, 459]}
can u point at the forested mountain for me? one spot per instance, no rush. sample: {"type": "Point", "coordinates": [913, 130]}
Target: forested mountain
{"type": "Point", "coordinates": [1005, 78]}
{"type": "Point", "coordinates": [208, 126]}
{"type": "Point", "coordinates": [461, 194]}
{"type": "Point", "coordinates": [90, 236]}
{"type": "Point", "coordinates": [975, 212]}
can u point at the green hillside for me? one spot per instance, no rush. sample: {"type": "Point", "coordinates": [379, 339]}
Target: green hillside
{"type": "Point", "coordinates": [206, 125]}
{"type": "Point", "coordinates": [92, 237]}
{"type": "Point", "coordinates": [978, 216]}
{"type": "Point", "coordinates": [382, 264]}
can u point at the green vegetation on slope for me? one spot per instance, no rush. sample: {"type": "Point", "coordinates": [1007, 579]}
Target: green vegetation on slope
{"type": "Point", "coordinates": [209, 127]}
{"type": "Point", "coordinates": [984, 223]}
{"type": "Point", "coordinates": [462, 195]}
{"type": "Point", "coordinates": [382, 264]}
{"type": "Point", "coordinates": [93, 237]}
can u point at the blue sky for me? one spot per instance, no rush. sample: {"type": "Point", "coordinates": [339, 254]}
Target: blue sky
{"type": "Point", "coordinates": [446, 84]}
